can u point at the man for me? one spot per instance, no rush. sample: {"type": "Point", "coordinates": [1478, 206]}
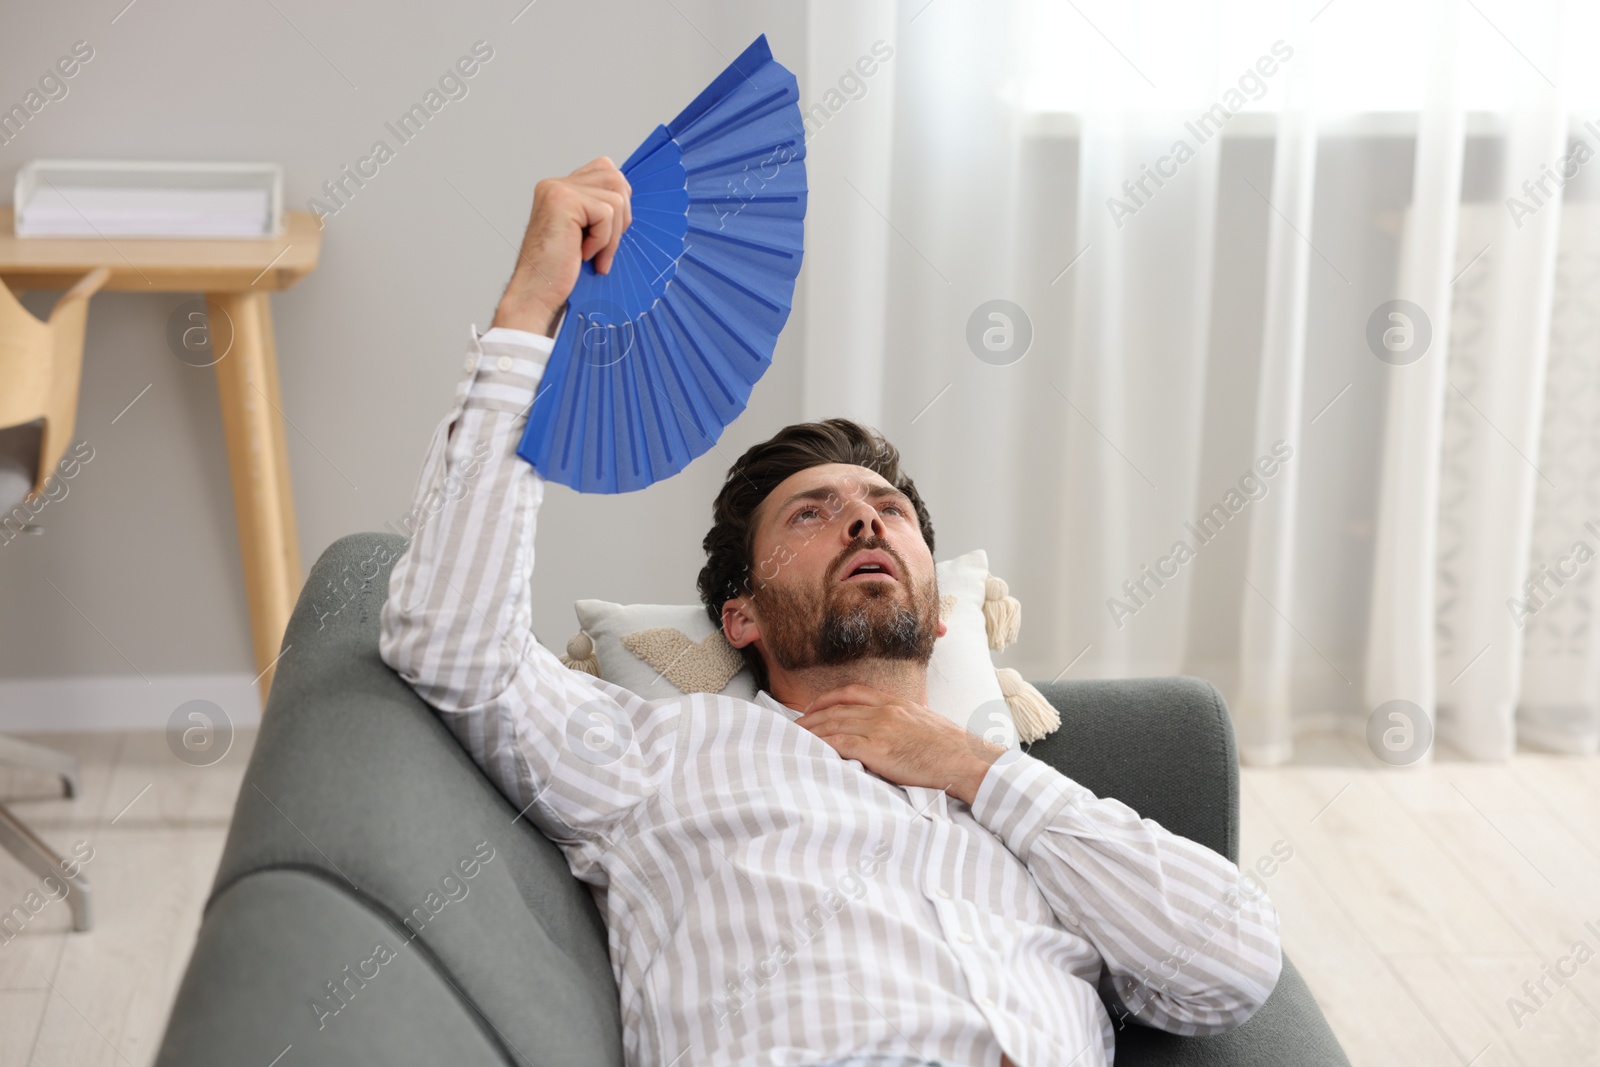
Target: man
{"type": "Point", "coordinates": [832, 870]}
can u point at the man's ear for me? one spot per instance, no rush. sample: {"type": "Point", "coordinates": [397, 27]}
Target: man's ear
{"type": "Point", "coordinates": [943, 627]}
{"type": "Point", "coordinates": [739, 623]}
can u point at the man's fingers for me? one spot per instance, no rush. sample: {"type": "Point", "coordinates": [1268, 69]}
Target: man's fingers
{"type": "Point", "coordinates": [616, 183]}
{"type": "Point", "coordinates": [598, 212]}
{"type": "Point", "coordinates": [843, 728]}
{"type": "Point", "coordinates": [604, 177]}
{"type": "Point", "coordinates": [854, 693]}
{"type": "Point", "coordinates": [620, 217]}
{"type": "Point", "coordinates": [601, 174]}
{"type": "Point", "coordinates": [835, 713]}
{"type": "Point", "coordinates": [619, 221]}
{"type": "Point", "coordinates": [598, 217]}
{"type": "Point", "coordinates": [576, 218]}
{"type": "Point", "coordinates": [601, 178]}
{"type": "Point", "coordinates": [842, 735]}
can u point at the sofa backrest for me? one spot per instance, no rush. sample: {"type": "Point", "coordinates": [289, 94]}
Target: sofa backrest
{"type": "Point", "coordinates": [1163, 746]}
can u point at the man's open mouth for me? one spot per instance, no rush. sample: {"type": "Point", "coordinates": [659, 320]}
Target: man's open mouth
{"type": "Point", "coordinates": [870, 565]}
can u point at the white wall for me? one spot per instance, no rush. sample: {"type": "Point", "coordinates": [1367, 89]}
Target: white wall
{"type": "Point", "coordinates": [144, 544]}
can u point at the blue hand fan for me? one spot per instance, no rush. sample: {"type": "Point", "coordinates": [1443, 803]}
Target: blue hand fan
{"type": "Point", "coordinates": [655, 358]}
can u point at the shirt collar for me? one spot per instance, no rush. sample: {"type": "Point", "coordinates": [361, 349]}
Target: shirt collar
{"type": "Point", "coordinates": [767, 700]}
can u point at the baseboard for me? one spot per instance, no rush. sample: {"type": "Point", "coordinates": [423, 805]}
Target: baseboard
{"type": "Point", "coordinates": [121, 702]}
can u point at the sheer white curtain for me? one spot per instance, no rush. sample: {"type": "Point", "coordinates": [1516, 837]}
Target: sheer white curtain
{"type": "Point", "coordinates": [1120, 282]}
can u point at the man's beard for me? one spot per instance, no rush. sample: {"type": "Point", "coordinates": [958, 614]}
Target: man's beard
{"type": "Point", "coordinates": [848, 621]}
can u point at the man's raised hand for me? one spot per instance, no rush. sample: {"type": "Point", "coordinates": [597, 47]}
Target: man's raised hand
{"type": "Point", "coordinates": [573, 218]}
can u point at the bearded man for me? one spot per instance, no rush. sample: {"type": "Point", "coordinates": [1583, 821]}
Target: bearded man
{"type": "Point", "coordinates": [832, 873]}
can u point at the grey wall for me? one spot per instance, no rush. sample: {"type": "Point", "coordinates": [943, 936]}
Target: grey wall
{"type": "Point", "coordinates": [370, 345]}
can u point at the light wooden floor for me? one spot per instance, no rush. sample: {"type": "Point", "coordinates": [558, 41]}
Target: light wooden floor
{"type": "Point", "coordinates": [1419, 900]}
{"type": "Point", "coordinates": [100, 998]}
{"type": "Point", "coordinates": [1416, 901]}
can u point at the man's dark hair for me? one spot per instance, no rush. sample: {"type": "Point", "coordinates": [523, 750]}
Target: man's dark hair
{"type": "Point", "coordinates": [729, 570]}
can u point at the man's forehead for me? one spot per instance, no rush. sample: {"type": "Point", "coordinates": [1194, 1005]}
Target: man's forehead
{"type": "Point", "coordinates": [847, 479]}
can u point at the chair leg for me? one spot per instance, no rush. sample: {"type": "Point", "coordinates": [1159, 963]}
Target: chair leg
{"type": "Point", "coordinates": [44, 861]}
{"type": "Point", "coordinates": [19, 753]}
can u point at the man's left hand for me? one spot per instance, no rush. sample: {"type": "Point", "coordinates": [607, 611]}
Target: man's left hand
{"type": "Point", "coordinates": [901, 740]}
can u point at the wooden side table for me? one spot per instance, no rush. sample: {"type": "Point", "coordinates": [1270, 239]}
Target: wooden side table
{"type": "Point", "coordinates": [236, 277]}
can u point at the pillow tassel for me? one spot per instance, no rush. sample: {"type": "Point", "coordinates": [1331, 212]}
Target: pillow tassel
{"type": "Point", "coordinates": [1033, 715]}
{"type": "Point", "coordinates": [1002, 614]}
{"type": "Point", "coordinates": [580, 654]}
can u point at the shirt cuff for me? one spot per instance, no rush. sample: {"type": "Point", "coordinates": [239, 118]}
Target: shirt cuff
{"type": "Point", "coordinates": [525, 337]}
{"type": "Point", "coordinates": [1020, 796]}
{"type": "Point", "coordinates": [502, 369]}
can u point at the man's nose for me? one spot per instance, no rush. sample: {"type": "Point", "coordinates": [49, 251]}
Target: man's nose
{"type": "Point", "coordinates": [866, 516]}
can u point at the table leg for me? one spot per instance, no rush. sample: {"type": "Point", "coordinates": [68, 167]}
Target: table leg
{"type": "Point", "coordinates": [291, 536]}
{"type": "Point", "coordinates": [263, 504]}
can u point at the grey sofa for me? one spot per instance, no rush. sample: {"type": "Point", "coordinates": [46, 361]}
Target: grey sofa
{"type": "Point", "coordinates": [359, 813]}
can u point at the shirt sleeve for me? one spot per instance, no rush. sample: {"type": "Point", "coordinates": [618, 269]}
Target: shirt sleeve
{"type": "Point", "coordinates": [577, 754]}
{"type": "Point", "coordinates": [1189, 945]}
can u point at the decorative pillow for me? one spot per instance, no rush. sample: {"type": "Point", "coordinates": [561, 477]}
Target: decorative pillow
{"type": "Point", "coordinates": [599, 649]}
{"type": "Point", "coordinates": [660, 651]}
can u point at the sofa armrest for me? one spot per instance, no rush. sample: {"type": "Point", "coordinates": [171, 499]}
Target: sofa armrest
{"type": "Point", "coordinates": [1165, 748]}
{"type": "Point", "coordinates": [1288, 1029]}
{"type": "Point", "coordinates": [279, 965]}
{"type": "Point", "coordinates": [1162, 746]}
{"type": "Point", "coordinates": [356, 783]}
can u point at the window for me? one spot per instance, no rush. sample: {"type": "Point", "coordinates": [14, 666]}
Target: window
{"type": "Point", "coordinates": [1165, 56]}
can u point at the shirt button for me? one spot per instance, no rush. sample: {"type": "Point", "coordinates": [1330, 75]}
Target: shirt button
{"type": "Point", "coordinates": [985, 1002]}
{"type": "Point", "coordinates": [964, 938]}
{"type": "Point", "coordinates": [505, 363]}
{"type": "Point", "coordinates": [471, 364]}
{"type": "Point", "coordinates": [943, 894]}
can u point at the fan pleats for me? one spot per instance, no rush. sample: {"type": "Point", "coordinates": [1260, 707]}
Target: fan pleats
{"type": "Point", "coordinates": [655, 358]}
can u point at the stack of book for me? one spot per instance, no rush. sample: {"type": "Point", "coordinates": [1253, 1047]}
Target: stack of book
{"type": "Point", "coordinates": [57, 198]}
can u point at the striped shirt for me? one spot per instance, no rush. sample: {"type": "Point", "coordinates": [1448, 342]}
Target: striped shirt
{"type": "Point", "coordinates": [768, 901]}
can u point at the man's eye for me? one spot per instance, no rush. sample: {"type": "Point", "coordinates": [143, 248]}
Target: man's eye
{"type": "Point", "coordinates": [896, 508]}
{"type": "Point", "coordinates": [806, 511]}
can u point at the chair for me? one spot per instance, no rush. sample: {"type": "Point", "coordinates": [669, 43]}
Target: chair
{"type": "Point", "coordinates": [40, 367]}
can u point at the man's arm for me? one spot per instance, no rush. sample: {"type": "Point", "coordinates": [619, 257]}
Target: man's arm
{"type": "Point", "coordinates": [577, 753]}
{"type": "Point", "coordinates": [1189, 945]}
{"type": "Point", "coordinates": [456, 622]}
